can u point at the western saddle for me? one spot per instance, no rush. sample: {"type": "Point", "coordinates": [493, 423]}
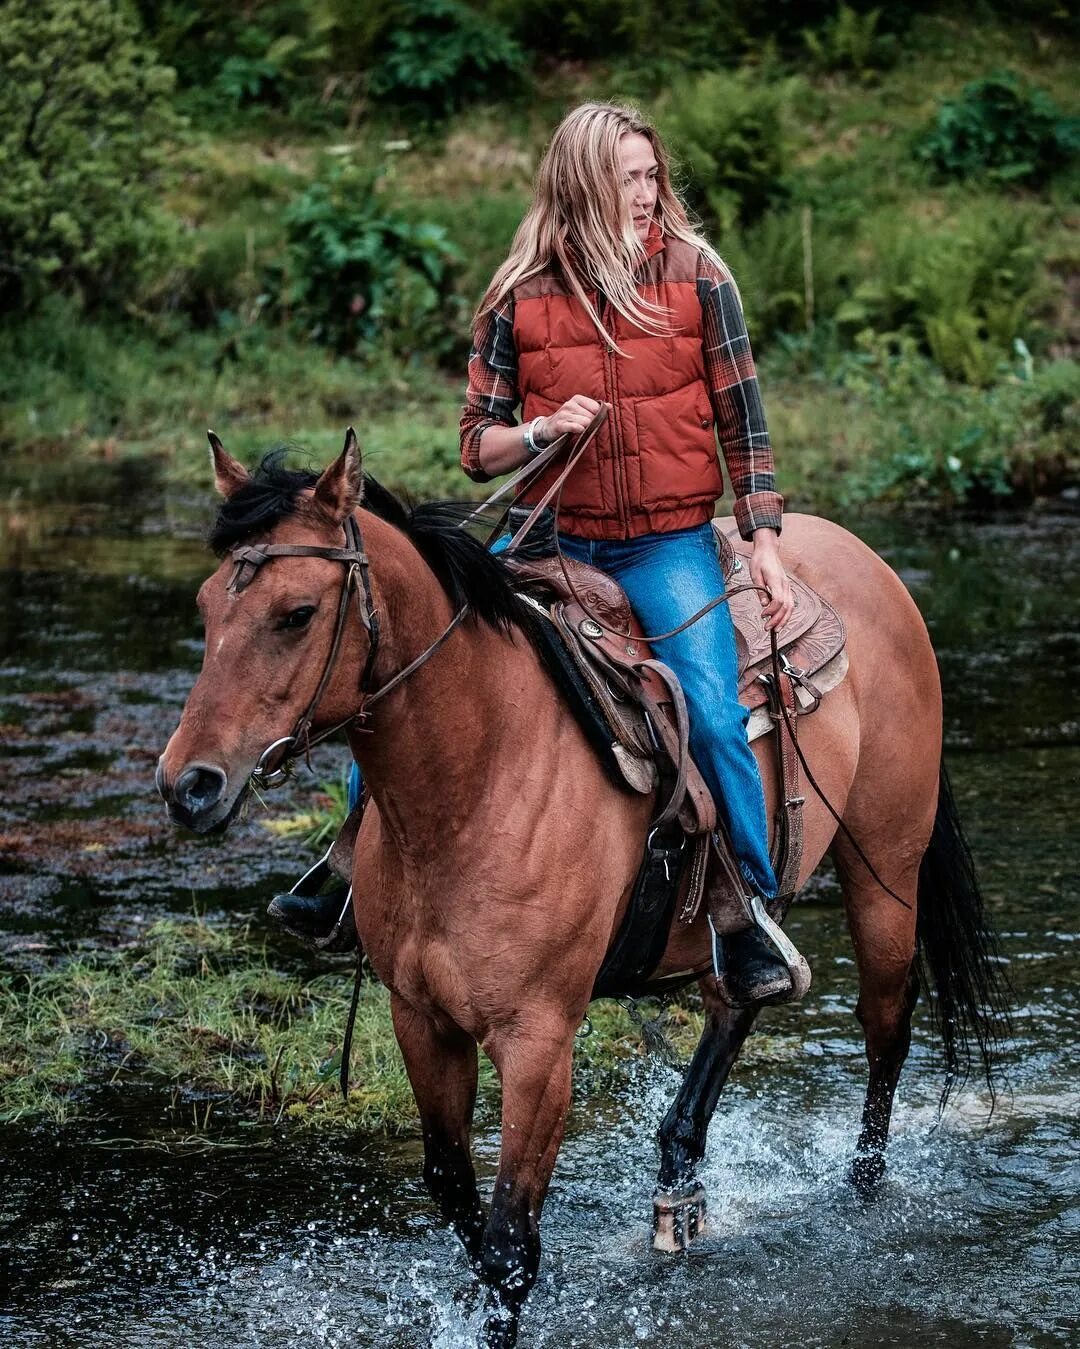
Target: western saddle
{"type": "Point", "coordinates": [636, 702]}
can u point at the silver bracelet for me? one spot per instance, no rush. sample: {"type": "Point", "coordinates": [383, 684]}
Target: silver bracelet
{"type": "Point", "coordinates": [528, 433]}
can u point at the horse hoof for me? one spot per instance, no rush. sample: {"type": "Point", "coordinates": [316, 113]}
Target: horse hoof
{"type": "Point", "coordinates": [867, 1175]}
{"type": "Point", "coordinates": [678, 1218]}
{"type": "Point", "coordinates": [500, 1332]}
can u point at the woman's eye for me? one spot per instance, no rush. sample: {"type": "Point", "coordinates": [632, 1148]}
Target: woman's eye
{"type": "Point", "coordinates": [299, 618]}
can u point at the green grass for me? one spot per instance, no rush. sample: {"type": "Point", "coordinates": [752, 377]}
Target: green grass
{"type": "Point", "coordinates": [202, 1010]}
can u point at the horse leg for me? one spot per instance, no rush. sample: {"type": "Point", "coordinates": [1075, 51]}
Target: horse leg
{"type": "Point", "coordinates": [534, 1068]}
{"type": "Point", "coordinates": [883, 933]}
{"type": "Point", "coordinates": [679, 1199]}
{"type": "Point", "coordinates": [441, 1064]}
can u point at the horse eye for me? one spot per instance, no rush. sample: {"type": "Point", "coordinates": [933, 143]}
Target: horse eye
{"type": "Point", "coordinates": [299, 618]}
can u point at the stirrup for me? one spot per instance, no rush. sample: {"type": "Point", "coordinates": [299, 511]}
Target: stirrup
{"type": "Point", "coordinates": [311, 882]}
{"type": "Point", "coordinates": [343, 935]}
{"type": "Point", "coordinates": [785, 948]}
{"type": "Point", "coordinates": [785, 956]}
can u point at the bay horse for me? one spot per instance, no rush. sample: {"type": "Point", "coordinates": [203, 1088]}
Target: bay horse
{"type": "Point", "coordinates": [495, 859]}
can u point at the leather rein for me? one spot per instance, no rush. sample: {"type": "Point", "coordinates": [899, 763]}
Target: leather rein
{"type": "Point", "coordinates": [275, 762]}
{"type": "Point", "coordinates": [249, 558]}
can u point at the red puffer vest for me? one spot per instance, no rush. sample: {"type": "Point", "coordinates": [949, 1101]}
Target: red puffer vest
{"type": "Point", "coordinates": [654, 465]}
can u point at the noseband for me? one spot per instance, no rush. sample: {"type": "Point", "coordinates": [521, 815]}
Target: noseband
{"type": "Point", "coordinates": [247, 561]}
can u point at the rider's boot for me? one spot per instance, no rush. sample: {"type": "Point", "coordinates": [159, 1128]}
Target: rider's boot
{"type": "Point", "coordinates": [321, 919]}
{"type": "Point", "coordinates": [754, 972]}
{"type": "Point", "coordinates": [760, 964]}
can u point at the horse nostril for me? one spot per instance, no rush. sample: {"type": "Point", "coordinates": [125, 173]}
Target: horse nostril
{"type": "Point", "coordinates": [199, 788]}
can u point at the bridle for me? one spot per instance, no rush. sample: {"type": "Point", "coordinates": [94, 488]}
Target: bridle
{"type": "Point", "coordinates": [247, 561]}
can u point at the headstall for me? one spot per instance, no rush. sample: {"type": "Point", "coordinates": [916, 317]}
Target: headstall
{"type": "Point", "coordinates": [247, 561]}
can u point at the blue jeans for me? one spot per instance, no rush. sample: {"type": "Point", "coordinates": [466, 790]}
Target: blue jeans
{"type": "Point", "coordinates": [667, 578]}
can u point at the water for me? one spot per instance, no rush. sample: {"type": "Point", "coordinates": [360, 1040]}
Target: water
{"type": "Point", "coordinates": [121, 1231]}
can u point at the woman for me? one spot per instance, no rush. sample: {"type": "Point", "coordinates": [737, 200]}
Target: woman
{"type": "Point", "coordinates": [610, 295]}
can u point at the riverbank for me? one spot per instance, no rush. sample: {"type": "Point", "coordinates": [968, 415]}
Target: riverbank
{"type": "Point", "coordinates": [200, 1017]}
{"type": "Point", "coordinates": [878, 425]}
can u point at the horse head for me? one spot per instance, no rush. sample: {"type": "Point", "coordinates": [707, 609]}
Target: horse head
{"type": "Point", "coordinates": [275, 615]}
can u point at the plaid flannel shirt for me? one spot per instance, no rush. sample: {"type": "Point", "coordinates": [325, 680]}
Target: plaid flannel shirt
{"type": "Point", "coordinates": [730, 376]}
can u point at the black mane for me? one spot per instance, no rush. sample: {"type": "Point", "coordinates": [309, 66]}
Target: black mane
{"type": "Point", "coordinates": [465, 569]}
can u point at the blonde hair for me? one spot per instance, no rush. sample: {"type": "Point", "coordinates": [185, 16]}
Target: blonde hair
{"type": "Point", "coordinates": [579, 218]}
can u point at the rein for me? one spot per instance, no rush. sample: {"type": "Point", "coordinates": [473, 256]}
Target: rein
{"type": "Point", "coordinates": [249, 558]}
{"type": "Point", "coordinates": [779, 666]}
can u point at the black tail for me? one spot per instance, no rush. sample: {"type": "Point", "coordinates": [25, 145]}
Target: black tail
{"type": "Point", "coordinates": [959, 961]}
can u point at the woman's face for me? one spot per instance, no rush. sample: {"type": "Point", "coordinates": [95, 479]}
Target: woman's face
{"type": "Point", "coordinates": [639, 171]}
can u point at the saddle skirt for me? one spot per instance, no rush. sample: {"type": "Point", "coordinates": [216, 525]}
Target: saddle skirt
{"type": "Point", "coordinates": [617, 665]}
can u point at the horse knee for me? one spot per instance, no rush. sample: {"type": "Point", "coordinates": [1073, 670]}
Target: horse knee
{"type": "Point", "coordinates": [886, 1015]}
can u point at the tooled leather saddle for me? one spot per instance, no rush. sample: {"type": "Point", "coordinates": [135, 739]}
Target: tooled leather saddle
{"type": "Point", "coordinates": [640, 708]}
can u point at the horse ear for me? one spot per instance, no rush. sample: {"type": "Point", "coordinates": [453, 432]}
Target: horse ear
{"type": "Point", "coordinates": [340, 489]}
{"type": "Point", "coordinates": [229, 474]}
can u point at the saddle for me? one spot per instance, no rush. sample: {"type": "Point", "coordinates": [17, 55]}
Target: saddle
{"type": "Point", "coordinates": [632, 706]}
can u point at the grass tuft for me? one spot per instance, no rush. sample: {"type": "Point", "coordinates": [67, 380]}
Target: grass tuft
{"type": "Point", "coordinates": [200, 1011]}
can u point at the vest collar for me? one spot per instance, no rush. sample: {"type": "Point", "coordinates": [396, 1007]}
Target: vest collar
{"type": "Point", "coordinates": [654, 240]}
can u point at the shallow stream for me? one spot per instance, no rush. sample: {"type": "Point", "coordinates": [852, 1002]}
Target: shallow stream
{"type": "Point", "coordinates": [121, 1231]}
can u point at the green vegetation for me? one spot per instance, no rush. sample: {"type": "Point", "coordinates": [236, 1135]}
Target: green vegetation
{"type": "Point", "coordinates": [362, 275]}
{"type": "Point", "coordinates": [999, 129]}
{"type": "Point", "coordinates": [202, 1010]}
{"type": "Point", "coordinates": [84, 109]}
{"type": "Point", "coordinates": [278, 218]}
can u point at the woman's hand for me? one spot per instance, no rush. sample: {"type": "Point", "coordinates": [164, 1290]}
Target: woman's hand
{"type": "Point", "coordinates": [766, 569]}
{"type": "Point", "coordinates": [572, 418]}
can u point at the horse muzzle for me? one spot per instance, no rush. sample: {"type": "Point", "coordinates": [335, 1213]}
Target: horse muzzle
{"type": "Point", "coordinates": [199, 798]}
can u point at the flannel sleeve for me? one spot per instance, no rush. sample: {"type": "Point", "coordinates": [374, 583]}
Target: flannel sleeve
{"type": "Point", "coordinates": [492, 394]}
{"type": "Point", "coordinates": [732, 381]}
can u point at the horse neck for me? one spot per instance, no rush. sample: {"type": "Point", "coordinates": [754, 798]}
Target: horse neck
{"type": "Point", "coordinates": [428, 743]}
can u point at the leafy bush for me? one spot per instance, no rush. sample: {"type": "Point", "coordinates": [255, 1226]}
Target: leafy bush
{"type": "Point", "coordinates": [580, 28]}
{"type": "Point", "coordinates": [84, 117]}
{"type": "Point", "coordinates": [770, 261]}
{"type": "Point", "coordinates": [1000, 129]}
{"type": "Point", "coordinates": [439, 54]}
{"type": "Point", "coordinates": [480, 226]}
{"type": "Point", "coordinates": [245, 52]}
{"type": "Point", "coordinates": [358, 272]}
{"type": "Point", "coordinates": [851, 41]}
{"type": "Point", "coordinates": [965, 293]}
{"type": "Point", "coordinates": [944, 442]}
{"type": "Point", "coordinates": [728, 131]}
